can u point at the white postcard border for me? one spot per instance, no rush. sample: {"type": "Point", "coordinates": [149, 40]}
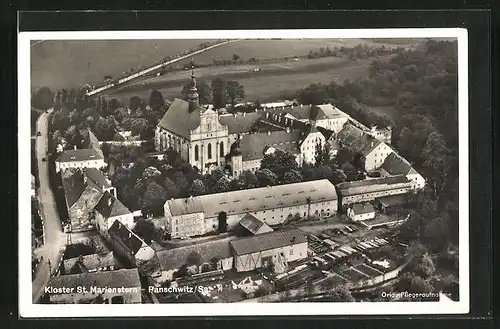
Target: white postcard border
{"type": "Point", "coordinates": [28, 309]}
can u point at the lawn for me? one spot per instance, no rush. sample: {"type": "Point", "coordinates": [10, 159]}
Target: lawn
{"type": "Point", "coordinates": [71, 63]}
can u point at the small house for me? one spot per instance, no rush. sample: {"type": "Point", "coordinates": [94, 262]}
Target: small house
{"type": "Point", "coordinates": [361, 211]}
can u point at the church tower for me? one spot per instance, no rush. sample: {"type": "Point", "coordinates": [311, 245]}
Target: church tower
{"type": "Point", "coordinates": [193, 97]}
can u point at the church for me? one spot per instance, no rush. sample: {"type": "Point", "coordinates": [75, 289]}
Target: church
{"type": "Point", "coordinates": [201, 136]}
{"type": "Point", "coordinates": [211, 138]}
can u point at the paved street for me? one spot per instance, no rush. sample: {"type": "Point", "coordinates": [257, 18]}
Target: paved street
{"type": "Point", "coordinates": [54, 238]}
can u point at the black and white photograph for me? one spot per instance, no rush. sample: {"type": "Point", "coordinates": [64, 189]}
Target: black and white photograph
{"type": "Point", "coordinates": [279, 171]}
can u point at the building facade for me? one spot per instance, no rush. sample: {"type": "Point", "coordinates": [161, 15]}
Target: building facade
{"type": "Point", "coordinates": [360, 212]}
{"type": "Point", "coordinates": [273, 205]}
{"type": "Point", "coordinates": [370, 189]}
{"type": "Point", "coordinates": [110, 209]}
{"type": "Point", "coordinates": [84, 158]}
{"type": "Point", "coordinates": [273, 249]}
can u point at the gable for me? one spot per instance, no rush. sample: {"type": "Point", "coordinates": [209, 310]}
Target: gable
{"type": "Point", "coordinates": [179, 119]}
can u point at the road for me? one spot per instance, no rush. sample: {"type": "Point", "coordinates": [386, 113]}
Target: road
{"type": "Point", "coordinates": [153, 68]}
{"type": "Point", "coordinates": [54, 238]}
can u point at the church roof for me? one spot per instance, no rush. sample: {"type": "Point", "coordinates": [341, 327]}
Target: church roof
{"type": "Point", "coordinates": [179, 119]}
{"type": "Point", "coordinates": [239, 123]}
{"type": "Point", "coordinates": [253, 146]}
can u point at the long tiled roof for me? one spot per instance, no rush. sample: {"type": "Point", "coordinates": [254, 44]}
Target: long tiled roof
{"type": "Point", "coordinates": [96, 176]}
{"type": "Point", "coordinates": [253, 146]}
{"type": "Point", "coordinates": [362, 208]}
{"type": "Point", "coordinates": [90, 262]}
{"type": "Point", "coordinates": [79, 155]}
{"type": "Point", "coordinates": [372, 185]}
{"type": "Point", "coordinates": [109, 206]}
{"type": "Point", "coordinates": [357, 140]}
{"type": "Point", "coordinates": [239, 123]}
{"type": "Point", "coordinates": [127, 278]}
{"type": "Point", "coordinates": [73, 184]}
{"type": "Point", "coordinates": [267, 241]}
{"type": "Point", "coordinates": [179, 119]}
{"type": "Point", "coordinates": [129, 239]}
{"type": "Point", "coordinates": [395, 164]}
{"type": "Point", "coordinates": [328, 111]}
{"type": "Point", "coordinates": [258, 199]}
{"type": "Point", "coordinates": [254, 225]}
{"type": "Point", "coordinates": [174, 258]}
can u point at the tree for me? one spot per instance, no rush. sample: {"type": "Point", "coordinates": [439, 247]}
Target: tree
{"type": "Point", "coordinates": [322, 154]}
{"type": "Point", "coordinates": [322, 172]}
{"type": "Point", "coordinates": [43, 99]}
{"type": "Point", "coordinates": [418, 284]}
{"type": "Point", "coordinates": [193, 259]}
{"type": "Point", "coordinates": [426, 267]}
{"type": "Point", "coordinates": [171, 190]}
{"type": "Point", "coordinates": [291, 177]}
{"type": "Point", "coordinates": [248, 180]}
{"type": "Point", "coordinates": [279, 163]}
{"type": "Point", "coordinates": [153, 200]}
{"type": "Point", "coordinates": [156, 100]}
{"type": "Point", "coordinates": [235, 91]}
{"type": "Point", "coordinates": [222, 185]}
{"type": "Point", "coordinates": [218, 93]}
{"type": "Point", "coordinates": [134, 103]}
{"type": "Point", "coordinates": [104, 129]}
{"type": "Point", "coordinates": [180, 181]}
{"type": "Point", "coordinates": [146, 229]}
{"type": "Point", "coordinates": [266, 177]}
{"type": "Point", "coordinates": [340, 293]}
{"type": "Point", "coordinates": [236, 57]}
{"type": "Point", "coordinates": [435, 157]}
{"type": "Point", "coordinates": [197, 187]}
{"type": "Point", "coordinates": [436, 233]}
{"type": "Point", "coordinates": [138, 127]}
{"type": "Point", "coordinates": [151, 173]}
{"type": "Point", "coordinates": [222, 222]}
{"type": "Point", "coordinates": [212, 178]}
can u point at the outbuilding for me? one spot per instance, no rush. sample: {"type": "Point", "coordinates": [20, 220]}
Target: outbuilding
{"type": "Point", "coordinates": [361, 211]}
{"type": "Point", "coordinates": [273, 250]}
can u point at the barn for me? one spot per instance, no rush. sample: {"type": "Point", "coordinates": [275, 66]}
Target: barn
{"type": "Point", "coordinates": [272, 249]}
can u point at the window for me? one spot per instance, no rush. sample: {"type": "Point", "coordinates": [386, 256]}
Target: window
{"type": "Point", "coordinates": [196, 153]}
{"type": "Point", "coordinates": [221, 149]}
{"type": "Point", "coordinates": [209, 150]}
{"type": "Point", "coordinates": [291, 251]}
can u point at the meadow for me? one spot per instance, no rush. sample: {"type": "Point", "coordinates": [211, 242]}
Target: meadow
{"type": "Point", "coordinates": [273, 81]}
{"type": "Point", "coordinates": [71, 63]}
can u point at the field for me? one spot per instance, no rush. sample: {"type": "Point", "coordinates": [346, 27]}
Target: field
{"type": "Point", "coordinates": [272, 81]}
{"type": "Point", "coordinates": [71, 63]}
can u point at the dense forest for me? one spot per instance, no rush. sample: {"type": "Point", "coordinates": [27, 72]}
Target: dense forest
{"type": "Point", "coordinates": [422, 85]}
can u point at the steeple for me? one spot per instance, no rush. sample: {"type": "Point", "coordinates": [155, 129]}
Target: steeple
{"type": "Point", "coordinates": [193, 97]}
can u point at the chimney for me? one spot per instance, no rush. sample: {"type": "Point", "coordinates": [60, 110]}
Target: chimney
{"type": "Point", "coordinates": [109, 202]}
{"type": "Point", "coordinates": [288, 130]}
{"type": "Point", "coordinates": [244, 113]}
{"type": "Point", "coordinates": [269, 132]}
{"type": "Point", "coordinates": [300, 105]}
{"type": "Point", "coordinates": [74, 147]}
{"type": "Point", "coordinates": [371, 144]}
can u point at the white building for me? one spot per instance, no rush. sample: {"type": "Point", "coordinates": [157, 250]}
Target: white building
{"type": "Point", "coordinates": [395, 165]}
{"type": "Point", "coordinates": [83, 158]}
{"type": "Point", "coordinates": [361, 211]}
{"type": "Point", "coordinates": [110, 209]}
{"type": "Point", "coordinates": [372, 151]}
{"type": "Point", "coordinates": [371, 189]}
{"type": "Point", "coordinates": [202, 136]}
{"type": "Point", "coordinates": [273, 249]}
{"type": "Point", "coordinates": [273, 205]}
